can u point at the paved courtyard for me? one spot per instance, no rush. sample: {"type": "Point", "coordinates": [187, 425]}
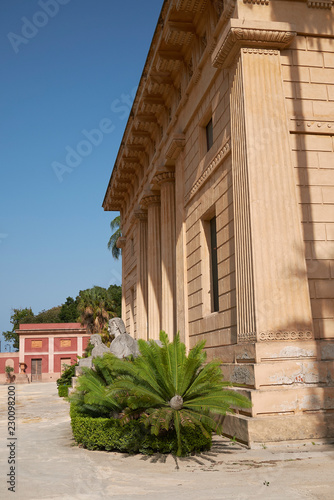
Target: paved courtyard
{"type": "Point", "coordinates": [50, 466]}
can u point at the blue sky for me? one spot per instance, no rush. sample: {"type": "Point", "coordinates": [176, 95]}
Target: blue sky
{"type": "Point", "coordinates": [68, 67]}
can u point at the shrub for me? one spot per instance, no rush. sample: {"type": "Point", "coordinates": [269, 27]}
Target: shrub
{"type": "Point", "coordinates": [63, 391]}
{"type": "Point", "coordinates": [93, 395]}
{"type": "Point", "coordinates": [132, 437]}
{"type": "Point", "coordinates": [173, 391]}
{"type": "Point", "coordinates": [66, 377]}
{"type": "Point", "coordinates": [168, 401]}
{"type": "Point", "coordinates": [9, 369]}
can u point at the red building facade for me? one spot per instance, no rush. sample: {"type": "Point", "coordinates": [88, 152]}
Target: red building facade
{"type": "Point", "coordinates": [44, 350]}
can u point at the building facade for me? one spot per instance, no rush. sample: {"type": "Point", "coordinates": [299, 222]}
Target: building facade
{"type": "Point", "coordinates": [44, 349]}
{"type": "Point", "coordinates": [225, 184]}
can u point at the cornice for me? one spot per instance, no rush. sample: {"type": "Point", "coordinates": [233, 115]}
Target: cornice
{"type": "Point", "coordinates": [175, 147]}
{"type": "Point", "coordinates": [239, 34]}
{"type": "Point", "coordinates": [121, 242]}
{"type": "Point", "coordinates": [194, 6]}
{"type": "Point", "coordinates": [209, 170]}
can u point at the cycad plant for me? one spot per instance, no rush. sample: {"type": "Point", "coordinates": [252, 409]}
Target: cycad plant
{"type": "Point", "coordinates": [94, 395]}
{"type": "Point", "coordinates": [170, 390]}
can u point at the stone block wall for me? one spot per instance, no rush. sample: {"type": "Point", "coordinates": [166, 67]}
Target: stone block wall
{"type": "Point", "coordinates": [308, 75]}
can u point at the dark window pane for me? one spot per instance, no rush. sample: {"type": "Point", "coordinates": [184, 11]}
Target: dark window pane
{"type": "Point", "coordinates": [209, 135]}
{"type": "Point", "coordinates": [214, 265]}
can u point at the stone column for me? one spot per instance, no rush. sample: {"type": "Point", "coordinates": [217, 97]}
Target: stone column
{"type": "Point", "coordinates": [142, 327]}
{"type": "Point", "coordinates": [168, 293]}
{"type": "Point", "coordinates": [51, 354]}
{"type": "Point", "coordinates": [152, 203]}
{"type": "Point", "coordinates": [121, 244]}
{"type": "Point", "coordinates": [273, 301]}
{"type": "Point", "coordinates": [79, 346]}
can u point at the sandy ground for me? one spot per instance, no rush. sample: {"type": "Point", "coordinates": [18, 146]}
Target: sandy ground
{"type": "Point", "coordinates": [49, 465]}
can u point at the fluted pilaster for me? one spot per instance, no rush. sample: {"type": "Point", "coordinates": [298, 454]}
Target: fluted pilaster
{"type": "Point", "coordinates": [152, 203]}
{"type": "Point", "coordinates": [272, 289]}
{"type": "Point", "coordinates": [142, 303]}
{"type": "Point", "coordinates": [167, 183]}
{"type": "Point", "coordinates": [120, 243]}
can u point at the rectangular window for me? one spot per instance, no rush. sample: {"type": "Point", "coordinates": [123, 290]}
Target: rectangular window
{"type": "Point", "coordinates": [209, 258]}
{"type": "Point", "coordinates": [214, 265]}
{"type": "Point", "coordinates": [209, 135]}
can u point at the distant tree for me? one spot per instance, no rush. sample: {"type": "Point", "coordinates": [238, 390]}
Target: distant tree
{"type": "Point", "coordinates": [18, 316]}
{"type": "Point", "coordinates": [48, 316]}
{"type": "Point", "coordinates": [115, 294]}
{"type": "Point", "coordinates": [69, 311]}
{"type": "Point", "coordinates": [95, 309]}
{"type": "Point", "coordinates": [115, 224]}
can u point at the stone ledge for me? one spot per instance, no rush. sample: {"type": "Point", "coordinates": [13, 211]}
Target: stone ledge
{"type": "Point", "coordinates": [253, 431]}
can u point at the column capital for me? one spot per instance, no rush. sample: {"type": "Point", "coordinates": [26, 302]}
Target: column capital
{"type": "Point", "coordinates": [251, 34]}
{"type": "Point", "coordinates": [139, 215]}
{"type": "Point", "coordinates": [162, 177]}
{"type": "Point", "coordinates": [152, 198]}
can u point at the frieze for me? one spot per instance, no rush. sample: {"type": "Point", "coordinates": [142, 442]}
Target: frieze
{"type": "Point", "coordinates": [208, 171]}
{"type": "Point", "coordinates": [323, 4]}
{"type": "Point", "coordinates": [258, 2]}
{"type": "Point", "coordinates": [266, 52]}
{"type": "Point", "coordinates": [282, 335]}
{"type": "Point", "coordinates": [237, 37]}
{"type": "Point", "coordinates": [304, 126]}
{"type": "Point", "coordinates": [246, 337]}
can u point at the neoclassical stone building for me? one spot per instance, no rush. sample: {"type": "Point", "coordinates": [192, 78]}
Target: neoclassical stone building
{"type": "Point", "coordinates": [225, 184]}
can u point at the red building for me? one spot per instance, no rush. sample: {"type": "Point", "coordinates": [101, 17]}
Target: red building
{"type": "Point", "coordinates": [44, 350]}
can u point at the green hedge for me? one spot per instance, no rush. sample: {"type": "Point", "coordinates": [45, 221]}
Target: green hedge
{"type": "Point", "coordinates": [109, 434]}
{"type": "Point", "coordinates": [63, 391]}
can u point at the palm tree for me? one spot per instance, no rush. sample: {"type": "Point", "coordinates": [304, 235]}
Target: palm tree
{"type": "Point", "coordinates": [170, 390]}
{"type": "Point", "coordinates": [115, 224]}
{"type": "Point", "coordinates": [95, 308]}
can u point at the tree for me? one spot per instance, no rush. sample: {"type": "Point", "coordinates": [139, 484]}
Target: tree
{"type": "Point", "coordinates": [95, 308]}
{"type": "Point", "coordinates": [115, 224]}
{"type": "Point", "coordinates": [69, 311]}
{"type": "Point", "coordinates": [18, 316]}
{"type": "Point", "coordinates": [48, 316]}
{"type": "Point", "coordinates": [105, 304]}
{"type": "Point", "coordinates": [114, 293]}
